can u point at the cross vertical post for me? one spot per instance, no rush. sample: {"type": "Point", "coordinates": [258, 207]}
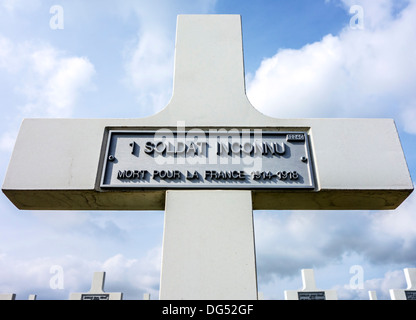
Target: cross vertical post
{"type": "Point", "coordinates": [410, 292]}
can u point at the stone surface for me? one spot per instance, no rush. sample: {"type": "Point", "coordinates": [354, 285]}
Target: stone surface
{"type": "Point", "coordinates": [97, 290]}
{"type": "Point", "coordinates": [208, 243]}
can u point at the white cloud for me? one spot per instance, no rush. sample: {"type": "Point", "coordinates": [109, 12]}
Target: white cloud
{"type": "Point", "coordinates": [355, 73]}
{"type": "Point", "coordinates": [399, 224]}
{"type": "Point", "coordinates": [358, 73]}
{"type": "Point", "coordinates": [46, 81]}
{"type": "Point", "coordinates": [54, 81]}
{"type": "Point", "coordinates": [408, 118]}
{"type": "Point", "coordinates": [7, 141]}
{"type": "Point", "coordinates": [149, 69]}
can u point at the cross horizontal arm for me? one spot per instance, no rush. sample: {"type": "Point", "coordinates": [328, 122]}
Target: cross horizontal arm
{"type": "Point", "coordinates": [358, 164]}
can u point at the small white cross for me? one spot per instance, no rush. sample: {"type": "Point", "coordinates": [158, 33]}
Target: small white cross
{"type": "Point", "coordinates": [309, 290]}
{"type": "Point", "coordinates": [97, 290]}
{"type": "Point", "coordinates": [410, 292]}
{"type": "Point", "coordinates": [7, 296]}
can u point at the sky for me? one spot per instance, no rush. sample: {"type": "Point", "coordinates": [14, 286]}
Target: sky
{"type": "Point", "coordinates": [114, 59]}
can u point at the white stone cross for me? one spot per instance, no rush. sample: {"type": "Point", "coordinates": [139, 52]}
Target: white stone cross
{"type": "Point", "coordinates": [309, 290]}
{"type": "Point", "coordinates": [410, 292]}
{"type": "Point", "coordinates": [372, 295]}
{"type": "Point", "coordinates": [97, 290]}
{"type": "Point", "coordinates": [216, 160]}
{"type": "Point", "coordinates": [12, 296]}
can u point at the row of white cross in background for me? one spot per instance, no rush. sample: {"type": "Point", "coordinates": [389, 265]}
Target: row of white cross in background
{"type": "Point", "coordinates": [309, 290]}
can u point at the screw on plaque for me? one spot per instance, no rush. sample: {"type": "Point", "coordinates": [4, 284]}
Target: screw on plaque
{"type": "Point", "coordinates": [304, 159]}
{"type": "Point", "coordinates": [111, 158]}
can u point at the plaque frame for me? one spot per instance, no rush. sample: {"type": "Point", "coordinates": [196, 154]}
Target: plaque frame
{"type": "Point", "coordinates": [297, 140]}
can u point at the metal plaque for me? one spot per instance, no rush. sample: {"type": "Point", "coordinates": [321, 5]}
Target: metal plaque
{"type": "Point", "coordinates": [213, 158]}
{"type": "Point", "coordinates": [410, 295]}
{"type": "Point", "coordinates": [318, 295]}
{"type": "Point", "coordinates": [94, 296]}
